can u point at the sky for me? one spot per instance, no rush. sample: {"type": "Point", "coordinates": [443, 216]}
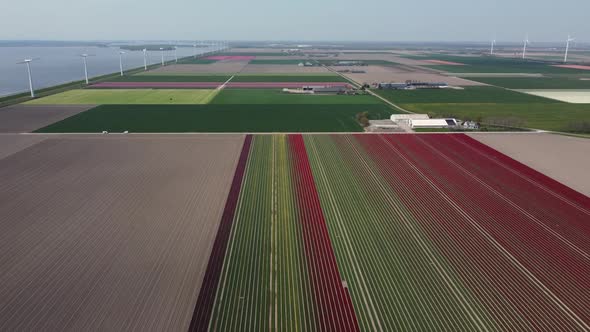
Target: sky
{"type": "Point", "coordinates": [303, 20]}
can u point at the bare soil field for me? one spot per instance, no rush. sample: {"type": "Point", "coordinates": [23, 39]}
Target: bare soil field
{"type": "Point", "coordinates": [13, 143]}
{"type": "Point", "coordinates": [378, 74]}
{"type": "Point", "coordinates": [283, 69]}
{"type": "Point", "coordinates": [110, 233]}
{"type": "Point", "coordinates": [27, 118]}
{"type": "Point", "coordinates": [229, 67]}
{"type": "Point", "coordinates": [563, 158]}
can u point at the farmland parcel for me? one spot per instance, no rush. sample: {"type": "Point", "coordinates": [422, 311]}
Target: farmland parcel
{"type": "Point", "coordinates": [112, 233]}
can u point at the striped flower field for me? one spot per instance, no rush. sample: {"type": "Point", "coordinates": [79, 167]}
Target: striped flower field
{"type": "Point", "coordinates": [364, 232]}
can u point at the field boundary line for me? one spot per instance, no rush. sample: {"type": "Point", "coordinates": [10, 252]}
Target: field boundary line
{"type": "Point", "coordinates": [496, 244]}
{"type": "Point", "coordinates": [351, 254]}
{"type": "Point", "coordinates": [437, 265]}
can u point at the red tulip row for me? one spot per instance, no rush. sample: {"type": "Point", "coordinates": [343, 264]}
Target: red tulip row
{"type": "Point", "coordinates": [334, 307]}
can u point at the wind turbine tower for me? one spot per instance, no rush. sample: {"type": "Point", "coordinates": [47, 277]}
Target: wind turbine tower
{"type": "Point", "coordinates": [492, 49]}
{"type": "Point", "coordinates": [567, 47]}
{"type": "Point", "coordinates": [145, 58]}
{"type": "Point", "coordinates": [84, 56]}
{"type": "Point", "coordinates": [28, 63]}
{"type": "Point", "coordinates": [121, 62]}
{"type": "Point", "coordinates": [162, 51]}
{"type": "Point", "coordinates": [526, 42]}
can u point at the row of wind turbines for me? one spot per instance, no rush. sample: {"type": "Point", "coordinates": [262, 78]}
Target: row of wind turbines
{"type": "Point", "coordinates": [218, 46]}
{"type": "Point", "coordinates": [527, 42]}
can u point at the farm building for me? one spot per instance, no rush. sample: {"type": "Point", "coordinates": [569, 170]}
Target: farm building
{"type": "Point", "coordinates": [405, 118]}
{"type": "Point", "coordinates": [410, 85]}
{"type": "Point", "coordinates": [432, 123]}
{"type": "Point", "coordinates": [325, 89]}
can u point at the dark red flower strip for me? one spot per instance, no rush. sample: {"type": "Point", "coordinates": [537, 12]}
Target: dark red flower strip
{"type": "Point", "coordinates": [550, 183]}
{"type": "Point", "coordinates": [204, 306]}
{"type": "Point", "coordinates": [508, 294]}
{"type": "Point", "coordinates": [334, 308]}
{"type": "Point", "coordinates": [556, 212]}
{"type": "Point", "coordinates": [556, 265]}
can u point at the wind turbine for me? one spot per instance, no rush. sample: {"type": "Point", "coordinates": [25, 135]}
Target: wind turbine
{"type": "Point", "coordinates": [526, 42]}
{"type": "Point", "coordinates": [28, 63]}
{"type": "Point", "coordinates": [492, 49]}
{"type": "Point", "coordinates": [145, 58]}
{"type": "Point", "coordinates": [175, 54]}
{"type": "Point", "coordinates": [195, 49]}
{"type": "Point", "coordinates": [121, 61]}
{"type": "Point", "coordinates": [567, 47]}
{"type": "Point", "coordinates": [84, 56]}
{"type": "Point", "coordinates": [162, 51]}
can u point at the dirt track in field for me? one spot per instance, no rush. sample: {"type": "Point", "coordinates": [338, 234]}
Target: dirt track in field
{"type": "Point", "coordinates": [27, 118]}
{"type": "Point", "coordinates": [229, 67]}
{"type": "Point", "coordinates": [283, 69]}
{"type": "Point", "coordinates": [378, 74]}
{"type": "Point", "coordinates": [563, 158]}
{"type": "Point", "coordinates": [110, 233]}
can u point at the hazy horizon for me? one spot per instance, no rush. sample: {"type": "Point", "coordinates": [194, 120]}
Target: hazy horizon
{"type": "Point", "coordinates": [265, 20]}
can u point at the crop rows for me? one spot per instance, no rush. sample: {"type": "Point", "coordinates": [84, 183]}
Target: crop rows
{"type": "Point", "coordinates": [510, 263]}
{"type": "Point", "coordinates": [280, 271]}
{"type": "Point", "coordinates": [399, 233]}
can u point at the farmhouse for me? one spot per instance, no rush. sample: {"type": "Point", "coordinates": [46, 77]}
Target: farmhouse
{"type": "Point", "coordinates": [410, 85]}
{"type": "Point", "coordinates": [405, 118]}
{"type": "Point", "coordinates": [432, 123]}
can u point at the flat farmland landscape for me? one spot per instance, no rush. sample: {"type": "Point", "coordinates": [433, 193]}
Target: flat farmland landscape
{"type": "Point", "coordinates": [208, 195]}
{"type": "Point", "coordinates": [112, 233]}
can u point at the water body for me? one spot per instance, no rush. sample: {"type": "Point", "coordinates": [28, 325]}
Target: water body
{"type": "Point", "coordinates": [58, 65]}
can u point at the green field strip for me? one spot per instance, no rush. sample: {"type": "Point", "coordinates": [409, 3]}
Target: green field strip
{"type": "Point", "coordinates": [198, 61]}
{"type": "Point", "coordinates": [390, 274]}
{"type": "Point", "coordinates": [479, 94]}
{"type": "Point", "coordinates": [327, 73]}
{"type": "Point", "coordinates": [486, 64]}
{"type": "Point", "coordinates": [280, 62]}
{"type": "Point", "coordinates": [278, 97]}
{"type": "Point", "coordinates": [288, 78]}
{"type": "Point", "coordinates": [264, 282]}
{"type": "Point", "coordinates": [128, 96]}
{"type": "Point", "coordinates": [535, 82]}
{"type": "Point", "coordinates": [218, 118]}
{"type": "Point", "coordinates": [163, 73]}
{"type": "Point", "coordinates": [172, 78]}
{"type": "Point", "coordinates": [547, 116]}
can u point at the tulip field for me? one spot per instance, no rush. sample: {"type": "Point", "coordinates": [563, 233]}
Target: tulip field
{"type": "Point", "coordinates": [395, 233]}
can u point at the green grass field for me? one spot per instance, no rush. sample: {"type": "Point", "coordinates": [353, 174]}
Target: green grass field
{"type": "Point", "coordinates": [548, 116]}
{"type": "Point", "coordinates": [288, 78]}
{"type": "Point", "coordinates": [128, 96]}
{"type": "Point", "coordinates": [253, 53]}
{"type": "Point", "coordinates": [277, 96]}
{"type": "Point", "coordinates": [172, 78]}
{"type": "Point", "coordinates": [198, 61]}
{"type": "Point", "coordinates": [485, 64]}
{"type": "Point", "coordinates": [219, 118]}
{"type": "Point", "coordinates": [468, 95]}
{"type": "Point", "coordinates": [535, 82]}
{"type": "Point", "coordinates": [280, 62]}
